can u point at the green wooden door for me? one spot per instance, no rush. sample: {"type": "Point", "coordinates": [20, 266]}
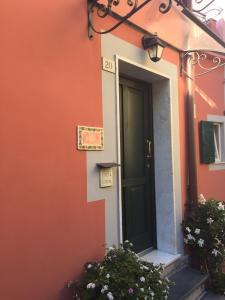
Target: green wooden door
{"type": "Point", "coordinates": [137, 164]}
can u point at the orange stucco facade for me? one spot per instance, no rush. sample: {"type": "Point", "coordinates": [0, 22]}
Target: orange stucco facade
{"type": "Point", "coordinates": [209, 98]}
{"type": "Point", "coordinates": [50, 83]}
{"type": "Point", "coordinates": [48, 230]}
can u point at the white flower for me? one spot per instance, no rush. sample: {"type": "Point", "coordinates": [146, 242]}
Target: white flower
{"type": "Point", "coordinates": [107, 275]}
{"type": "Point", "coordinates": [110, 296]}
{"type": "Point", "coordinates": [221, 206]}
{"type": "Point", "coordinates": [89, 266]}
{"type": "Point", "coordinates": [202, 199]}
{"type": "Point", "coordinates": [142, 279]}
{"type": "Point", "coordinates": [186, 241]}
{"type": "Point", "coordinates": [105, 288]}
{"type": "Point", "coordinates": [188, 229]}
{"type": "Point", "coordinates": [159, 281]}
{"type": "Point", "coordinates": [190, 237]}
{"type": "Point", "coordinates": [197, 231]}
{"type": "Point", "coordinates": [146, 268]}
{"type": "Point", "coordinates": [110, 248]}
{"type": "Point", "coordinates": [90, 285]}
{"type": "Point", "coordinates": [215, 252]}
{"type": "Point", "coordinates": [142, 289]}
{"type": "Point", "coordinates": [152, 294]}
{"type": "Point", "coordinates": [201, 242]}
{"type": "Point", "coordinates": [210, 220]}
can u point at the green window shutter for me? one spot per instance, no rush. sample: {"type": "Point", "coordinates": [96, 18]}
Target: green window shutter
{"type": "Point", "coordinates": [207, 148]}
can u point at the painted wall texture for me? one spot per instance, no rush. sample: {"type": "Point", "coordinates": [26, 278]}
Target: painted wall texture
{"type": "Point", "coordinates": [50, 82]}
{"type": "Point", "coordinates": [209, 98]}
{"type": "Point", "coordinates": [47, 228]}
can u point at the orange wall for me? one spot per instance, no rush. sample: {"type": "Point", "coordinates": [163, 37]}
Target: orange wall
{"type": "Point", "coordinates": [209, 98]}
{"type": "Point", "coordinates": [50, 83]}
{"type": "Point", "coordinates": [47, 229]}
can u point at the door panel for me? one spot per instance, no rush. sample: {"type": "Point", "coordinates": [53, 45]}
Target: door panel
{"type": "Point", "coordinates": [137, 164]}
{"type": "Point", "coordinates": [133, 134]}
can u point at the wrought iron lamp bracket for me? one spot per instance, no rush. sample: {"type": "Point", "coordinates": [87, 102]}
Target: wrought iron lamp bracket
{"type": "Point", "coordinates": [104, 10]}
{"type": "Point", "coordinates": [206, 61]}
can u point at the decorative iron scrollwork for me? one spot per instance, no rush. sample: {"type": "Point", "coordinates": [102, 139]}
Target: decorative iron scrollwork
{"type": "Point", "coordinates": [206, 62]}
{"type": "Point", "coordinates": [164, 8]}
{"type": "Point", "coordinates": [204, 9]}
{"type": "Point", "coordinates": [104, 10]}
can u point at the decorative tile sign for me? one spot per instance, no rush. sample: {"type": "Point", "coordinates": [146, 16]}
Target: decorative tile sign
{"type": "Point", "coordinates": [90, 138]}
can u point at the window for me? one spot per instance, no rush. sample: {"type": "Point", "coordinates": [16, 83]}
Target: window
{"type": "Point", "coordinates": [212, 142]}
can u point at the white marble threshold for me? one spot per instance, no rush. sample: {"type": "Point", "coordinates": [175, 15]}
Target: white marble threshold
{"type": "Point", "coordinates": [160, 257]}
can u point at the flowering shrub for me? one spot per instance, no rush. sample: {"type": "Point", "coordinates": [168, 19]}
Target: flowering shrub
{"type": "Point", "coordinates": [121, 275]}
{"type": "Point", "coordinates": [204, 233]}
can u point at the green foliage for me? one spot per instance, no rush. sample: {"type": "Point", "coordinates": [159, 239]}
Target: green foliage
{"type": "Point", "coordinates": [121, 275]}
{"type": "Point", "coordinates": [204, 233]}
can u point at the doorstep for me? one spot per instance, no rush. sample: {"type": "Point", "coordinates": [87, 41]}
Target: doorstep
{"type": "Point", "coordinates": [160, 257]}
{"type": "Point", "coordinates": [190, 284]}
{"type": "Point", "coordinates": [212, 296]}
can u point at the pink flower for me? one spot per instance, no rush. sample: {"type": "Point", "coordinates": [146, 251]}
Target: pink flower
{"type": "Point", "coordinates": [130, 291]}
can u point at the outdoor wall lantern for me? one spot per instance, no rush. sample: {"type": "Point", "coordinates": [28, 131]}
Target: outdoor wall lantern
{"type": "Point", "coordinates": [154, 46]}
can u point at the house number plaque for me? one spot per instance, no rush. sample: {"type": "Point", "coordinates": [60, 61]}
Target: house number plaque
{"type": "Point", "coordinates": [108, 65]}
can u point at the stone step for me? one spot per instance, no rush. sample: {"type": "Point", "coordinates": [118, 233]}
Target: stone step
{"type": "Point", "coordinates": [190, 284]}
{"type": "Point", "coordinates": [175, 266]}
{"type": "Point", "coordinates": [211, 296]}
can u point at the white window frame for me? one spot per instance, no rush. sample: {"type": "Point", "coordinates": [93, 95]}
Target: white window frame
{"type": "Point", "coordinates": [217, 129]}
{"type": "Point", "coordinates": [219, 142]}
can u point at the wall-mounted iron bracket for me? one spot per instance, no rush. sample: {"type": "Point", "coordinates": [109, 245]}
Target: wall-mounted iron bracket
{"type": "Point", "coordinates": [104, 10]}
{"type": "Point", "coordinates": [205, 60]}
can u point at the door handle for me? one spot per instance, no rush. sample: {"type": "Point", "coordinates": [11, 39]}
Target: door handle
{"type": "Point", "coordinates": [149, 149]}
